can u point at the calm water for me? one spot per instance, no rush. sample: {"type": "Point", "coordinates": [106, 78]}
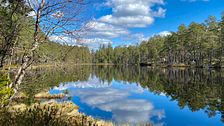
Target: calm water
{"type": "Point", "coordinates": [162, 97]}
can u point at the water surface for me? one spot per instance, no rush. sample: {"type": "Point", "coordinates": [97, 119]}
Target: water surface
{"type": "Point", "coordinates": [134, 95]}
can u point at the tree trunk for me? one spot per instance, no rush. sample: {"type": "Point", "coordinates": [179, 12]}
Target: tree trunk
{"type": "Point", "coordinates": [3, 53]}
{"type": "Point", "coordinates": [20, 74]}
{"type": "Point", "coordinates": [28, 58]}
{"type": "Point", "coordinates": [1, 62]}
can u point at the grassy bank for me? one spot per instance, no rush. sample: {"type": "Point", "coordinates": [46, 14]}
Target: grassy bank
{"type": "Point", "coordinates": [47, 114]}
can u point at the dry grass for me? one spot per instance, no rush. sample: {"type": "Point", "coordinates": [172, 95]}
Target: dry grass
{"type": "Point", "coordinates": [46, 95]}
{"type": "Point", "coordinates": [47, 114]}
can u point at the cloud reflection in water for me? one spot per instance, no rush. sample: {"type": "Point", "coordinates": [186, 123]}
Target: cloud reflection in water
{"type": "Point", "coordinates": [118, 101]}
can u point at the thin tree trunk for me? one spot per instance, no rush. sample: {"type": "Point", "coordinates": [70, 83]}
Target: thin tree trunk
{"type": "Point", "coordinates": [3, 53]}
{"type": "Point", "coordinates": [28, 59]}
{"type": "Point", "coordinates": [20, 74]}
{"type": "Point", "coordinates": [1, 62]}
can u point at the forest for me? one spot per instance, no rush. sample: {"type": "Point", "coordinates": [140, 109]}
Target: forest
{"type": "Point", "coordinates": [199, 44]}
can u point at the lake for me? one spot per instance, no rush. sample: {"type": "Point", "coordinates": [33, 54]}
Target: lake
{"type": "Point", "coordinates": [139, 95]}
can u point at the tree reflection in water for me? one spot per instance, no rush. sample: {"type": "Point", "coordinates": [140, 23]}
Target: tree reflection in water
{"type": "Point", "coordinates": [195, 88]}
{"type": "Point", "coordinates": [198, 89]}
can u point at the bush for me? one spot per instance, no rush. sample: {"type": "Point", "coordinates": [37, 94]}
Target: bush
{"type": "Point", "coordinates": [46, 114]}
{"type": "Point", "coordinates": [5, 91]}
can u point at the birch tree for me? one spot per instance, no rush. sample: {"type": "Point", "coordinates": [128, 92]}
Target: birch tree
{"type": "Point", "coordinates": [61, 18]}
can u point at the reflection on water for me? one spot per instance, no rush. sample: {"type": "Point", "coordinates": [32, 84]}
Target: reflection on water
{"type": "Point", "coordinates": [169, 97]}
{"type": "Point", "coordinates": [113, 98]}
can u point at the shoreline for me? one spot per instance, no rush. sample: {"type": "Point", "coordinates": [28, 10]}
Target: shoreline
{"type": "Point", "coordinates": [50, 111]}
{"type": "Point", "coordinates": [35, 66]}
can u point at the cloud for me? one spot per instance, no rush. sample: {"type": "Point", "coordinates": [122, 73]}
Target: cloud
{"type": "Point", "coordinates": [128, 21]}
{"type": "Point", "coordinates": [100, 29]}
{"type": "Point", "coordinates": [62, 39]}
{"type": "Point", "coordinates": [31, 14]}
{"type": "Point", "coordinates": [134, 39]}
{"type": "Point", "coordinates": [95, 41]}
{"type": "Point", "coordinates": [164, 33]}
{"type": "Point", "coordinates": [132, 13]}
{"type": "Point", "coordinates": [92, 43]}
{"type": "Point", "coordinates": [160, 13]}
{"type": "Point", "coordinates": [58, 14]}
{"type": "Point", "coordinates": [93, 82]}
{"type": "Point", "coordinates": [124, 109]}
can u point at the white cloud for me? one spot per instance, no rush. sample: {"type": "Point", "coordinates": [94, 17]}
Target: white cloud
{"type": "Point", "coordinates": [58, 15]}
{"type": "Point", "coordinates": [31, 14]}
{"type": "Point", "coordinates": [92, 43]}
{"type": "Point", "coordinates": [164, 33]}
{"type": "Point", "coordinates": [104, 30]}
{"type": "Point", "coordinates": [133, 111]}
{"type": "Point", "coordinates": [128, 21]}
{"type": "Point", "coordinates": [93, 82]}
{"type": "Point", "coordinates": [134, 39]}
{"type": "Point", "coordinates": [160, 12]}
{"type": "Point", "coordinates": [107, 32]}
{"type": "Point", "coordinates": [132, 13]}
{"type": "Point", "coordinates": [95, 41]}
{"type": "Point", "coordinates": [63, 39]}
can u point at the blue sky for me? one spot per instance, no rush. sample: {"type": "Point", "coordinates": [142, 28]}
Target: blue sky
{"type": "Point", "coordinates": [128, 22]}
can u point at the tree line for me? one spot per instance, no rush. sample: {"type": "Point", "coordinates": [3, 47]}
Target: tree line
{"type": "Point", "coordinates": [199, 44]}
